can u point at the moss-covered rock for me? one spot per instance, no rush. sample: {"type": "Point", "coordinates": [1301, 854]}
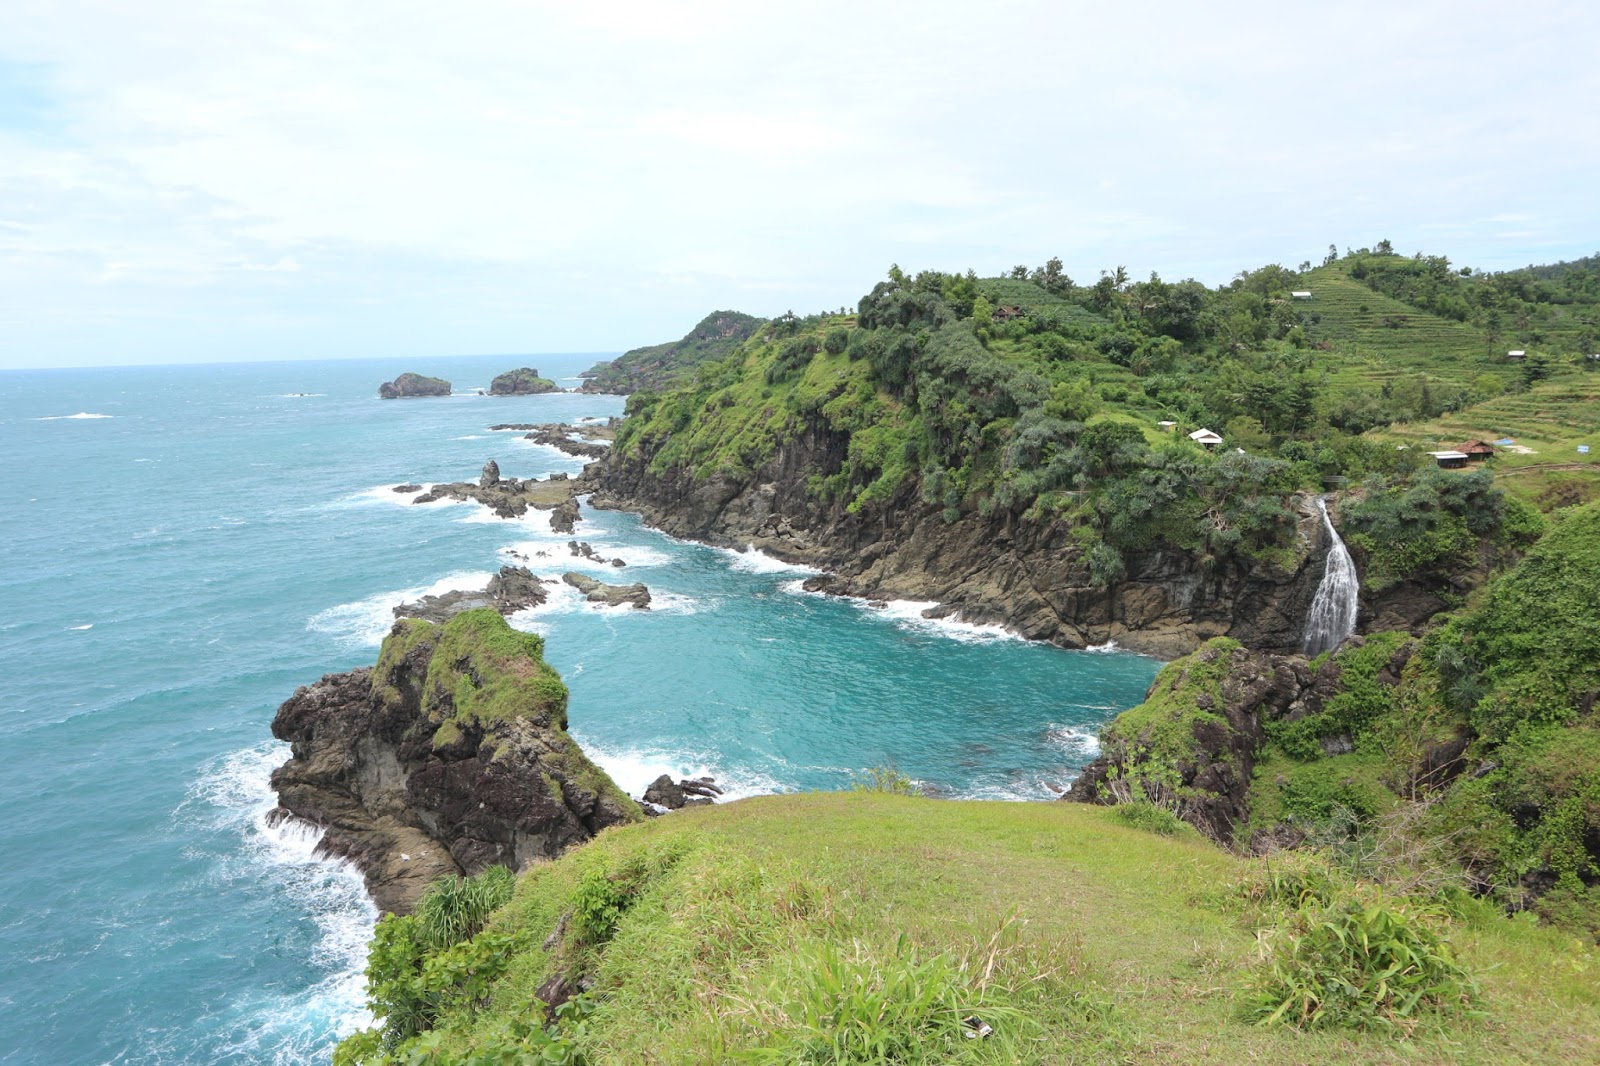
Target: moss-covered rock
{"type": "Point", "coordinates": [449, 756]}
{"type": "Point", "coordinates": [524, 381]}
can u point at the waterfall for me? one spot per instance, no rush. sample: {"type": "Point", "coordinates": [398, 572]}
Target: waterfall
{"type": "Point", "coordinates": [1333, 610]}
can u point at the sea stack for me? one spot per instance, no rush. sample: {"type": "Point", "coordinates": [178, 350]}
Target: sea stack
{"type": "Point", "coordinates": [409, 385]}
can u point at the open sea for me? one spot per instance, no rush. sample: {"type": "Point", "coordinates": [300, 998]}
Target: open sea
{"type": "Point", "coordinates": [183, 546]}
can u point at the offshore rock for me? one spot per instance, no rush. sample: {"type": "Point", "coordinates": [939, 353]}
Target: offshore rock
{"type": "Point", "coordinates": [409, 385]}
{"type": "Point", "coordinates": [524, 381]}
{"type": "Point", "coordinates": [448, 756]}
{"type": "Point", "coordinates": [513, 589]}
{"type": "Point", "coordinates": [610, 595]}
{"type": "Point", "coordinates": [490, 476]}
{"type": "Point", "coordinates": [511, 497]}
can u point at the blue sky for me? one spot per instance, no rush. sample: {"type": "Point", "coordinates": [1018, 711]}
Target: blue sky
{"type": "Point", "coordinates": [188, 182]}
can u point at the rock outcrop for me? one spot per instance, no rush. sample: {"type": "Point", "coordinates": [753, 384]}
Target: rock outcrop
{"type": "Point", "coordinates": [524, 381]}
{"type": "Point", "coordinates": [510, 497]}
{"type": "Point", "coordinates": [513, 589]}
{"type": "Point", "coordinates": [559, 435]}
{"type": "Point", "coordinates": [1204, 723]}
{"type": "Point", "coordinates": [675, 795]}
{"type": "Point", "coordinates": [448, 756]}
{"type": "Point", "coordinates": [610, 595]}
{"type": "Point", "coordinates": [408, 385]}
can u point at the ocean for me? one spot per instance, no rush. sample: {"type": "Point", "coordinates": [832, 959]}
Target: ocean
{"type": "Point", "coordinates": [184, 545]}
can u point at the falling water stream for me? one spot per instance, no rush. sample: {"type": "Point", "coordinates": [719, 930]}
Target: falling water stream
{"type": "Point", "coordinates": [1333, 610]}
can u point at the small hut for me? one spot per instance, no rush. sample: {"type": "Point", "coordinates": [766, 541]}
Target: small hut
{"type": "Point", "coordinates": [1205, 438]}
{"type": "Point", "coordinates": [1476, 450]}
{"type": "Point", "coordinates": [1518, 354]}
{"type": "Point", "coordinates": [1450, 460]}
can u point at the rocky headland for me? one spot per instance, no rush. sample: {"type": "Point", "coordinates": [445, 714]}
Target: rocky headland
{"type": "Point", "coordinates": [411, 385]}
{"type": "Point", "coordinates": [524, 381]}
{"type": "Point", "coordinates": [448, 756]}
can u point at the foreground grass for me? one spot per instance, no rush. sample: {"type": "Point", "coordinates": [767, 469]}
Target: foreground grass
{"type": "Point", "coordinates": [715, 933]}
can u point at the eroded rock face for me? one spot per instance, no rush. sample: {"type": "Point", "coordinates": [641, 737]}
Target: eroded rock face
{"type": "Point", "coordinates": [1031, 577]}
{"type": "Point", "coordinates": [409, 385]}
{"type": "Point", "coordinates": [448, 756]}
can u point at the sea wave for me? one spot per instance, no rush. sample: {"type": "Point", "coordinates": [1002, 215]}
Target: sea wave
{"type": "Point", "coordinates": [235, 794]}
{"type": "Point", "coordinates": [364, 623]}
{"type": "Point", "coordinates": [1074, 740]}
{"type": "Point", "coordinates": [753, 560]}
{"type": "Point", "coordinates": [71, 418]}
{"type": "Point", "coordinates": [634, 768]}
{"type": "Point", "coordinates": [907, 614]}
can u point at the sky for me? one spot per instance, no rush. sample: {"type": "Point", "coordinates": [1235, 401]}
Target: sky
{"type": "Point", "coordinates": [184, 182]}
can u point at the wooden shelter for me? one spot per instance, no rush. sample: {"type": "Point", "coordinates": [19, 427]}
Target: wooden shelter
{"type": "Point", "coordinates": [1476, 450]}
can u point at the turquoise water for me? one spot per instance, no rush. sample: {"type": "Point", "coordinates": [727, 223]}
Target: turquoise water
{"type": "Point", "coordinates": [214, 536]}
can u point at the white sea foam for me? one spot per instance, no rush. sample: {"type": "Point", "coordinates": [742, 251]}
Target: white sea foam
{"type": "Point", "coordinates": [470, 436]}
{"type": "Point", "coordinates": [71, 418]}
{"type": "Point", "coordinates": [1107, 648]}
{"type": "Point", "coordinates": [386, 494]}
{"type": "Point", "coordinates": [755, 561]}
{"type": "Point", "coordinates": [633, 769]}
{"type": "Point", "coordinates": [301, 395]}
{"type": "Point", "coordinates": [79, 629]}
{"type": "Point", "coordinates": [235, 794]}
{"type": "Point", "coordinates": [907, 614]}
{"type": "Point", "coordinates": [1074, 741]}
{"type": "Point", "coordinates": [365, 623]}
{"type": "Point", "coordinates": [557, 554]}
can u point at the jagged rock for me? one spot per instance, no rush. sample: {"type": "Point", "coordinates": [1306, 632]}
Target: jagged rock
{"type": "Point", "coordinates": [408, 385]}
{"type": "Point", "coordinates": [524, 381]}
{"type": "Point", "coordinates": [407, 487]}
{"type": "Point", "coordinates": [490, 476]}
{"type": "Point", "coordinates": [511, 497]}
{"type": "Point", "coordinates": [565, 516]}
{"type": "Point", "coordinates": [448, 756]}
{"type": "Point", "coordinates": [690, 792]}
{"type": "Point", "coordinates": [612, 595]}
{"type": "Point", "coordinates": [513, 589]}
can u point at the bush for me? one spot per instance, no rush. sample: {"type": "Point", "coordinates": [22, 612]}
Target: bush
{"type": "Point", "coordinates": [1152, 818]}
{"type": "Point", "coordinates": [1355, 965]}
{"type": "Point", "coordinates": [884, 779]}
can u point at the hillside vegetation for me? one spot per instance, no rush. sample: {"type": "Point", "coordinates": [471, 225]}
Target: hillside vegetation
{"type": "Point", "coordinates": [660, 365]}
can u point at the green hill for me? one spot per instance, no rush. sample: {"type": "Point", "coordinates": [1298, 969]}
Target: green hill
{"type": "Point", "coordinates": [658, 365]}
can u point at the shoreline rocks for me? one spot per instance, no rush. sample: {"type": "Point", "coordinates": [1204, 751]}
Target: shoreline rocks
{"type": "Point", "coordinates": [448, 756]}
{"type": "Point", "coordinates": [410, 385]}
{"type": "Point", "coordinates": [512, 497]}
{"type": "Point", "coordinates": [559, 435]}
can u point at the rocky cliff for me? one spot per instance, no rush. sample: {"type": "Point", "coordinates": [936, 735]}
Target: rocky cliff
{"type": "Point", "coordinates": [409, 385]}
{"type": "Point", "coordinates": [448, 756]}
{"type": "Point", "coordinates": [1030, 576]}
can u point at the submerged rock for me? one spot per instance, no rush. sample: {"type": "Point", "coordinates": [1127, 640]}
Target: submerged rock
{"type": "Point", "coordinates": [409, 385]}
{"type": "Point", "coordinates": [448, 756]}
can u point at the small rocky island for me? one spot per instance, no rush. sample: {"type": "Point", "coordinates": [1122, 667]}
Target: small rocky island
{"type": "Point", "coordinates": [510, 497]}
{"type": "Point", "coordinates": [524, 381]}
{"type": "Point", "coordinates": [449, 756]}
{"type": "Point", "coordinates": [409, 385]}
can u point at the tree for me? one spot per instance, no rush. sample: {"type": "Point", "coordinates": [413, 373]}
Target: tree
{"type": "Point", "coordinates": [1332, 256]}
{"type": "Point", "coordinates": [982, 312]}
{"type": "Point", "coordinates": [1384, 248]}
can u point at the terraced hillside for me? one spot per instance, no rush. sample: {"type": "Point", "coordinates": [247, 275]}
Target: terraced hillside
{"type": "Point", "coordinates": [1374, 339]}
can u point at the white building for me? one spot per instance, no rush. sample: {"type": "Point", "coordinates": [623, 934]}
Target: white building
{"type": "Point", "coordinates": [1205, 438]}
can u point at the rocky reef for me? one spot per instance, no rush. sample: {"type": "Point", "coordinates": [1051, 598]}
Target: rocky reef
{"type": "Point", "coordinates": [409, 385]}
{"type": "Point", "coordinates": [512, 497]}
{"type": "Point", "coordinates": [611, 595]}
{"type": "Point", "coordinates": [559, 435]}
{"type": "Point", "coordinates": [448, 756]}
{"type": "Point", "coordinates": [513, 589]}
{"type": "Point", "coordinates": [524, 381]}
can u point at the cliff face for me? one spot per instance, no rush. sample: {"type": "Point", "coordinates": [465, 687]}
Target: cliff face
{"type": "Point", "coordinates": [449, 756]}
{"type": "Point", "coordinates": [1029, 576]}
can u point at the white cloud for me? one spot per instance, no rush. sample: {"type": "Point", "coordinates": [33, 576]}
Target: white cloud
{"type": "Point", "coordinates": [308, 157]}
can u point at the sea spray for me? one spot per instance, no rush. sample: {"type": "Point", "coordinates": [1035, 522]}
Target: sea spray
{"type": "Point", "coordinates": [1333, 609]}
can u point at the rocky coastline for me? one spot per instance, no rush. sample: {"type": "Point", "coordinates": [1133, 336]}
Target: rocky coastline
{"type": "Point", "coordinates": [1031, 578]}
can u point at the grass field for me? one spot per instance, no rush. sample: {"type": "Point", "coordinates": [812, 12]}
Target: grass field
{"type": "Point", "coordinates": [1079, 938]}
